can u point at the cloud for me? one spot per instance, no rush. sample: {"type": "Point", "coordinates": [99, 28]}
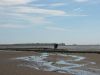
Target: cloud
{"type": "Point", "coordinates": [49, 5]}
{"type": "Point", "coordinates": [39, 20]}
{"type": "Point", "coordinates": [19, 15]}
{"type": "Point", "coordinates": [14, 18]}
{"type": "Point", "coordinates": [14, 2]}
{"type": "Point", "coordinates": [55, 28]}
{"type": "Point", "coordinates": [89, 2]}
{"type": "Point", "coordinates": [57, 4]}
{"type": "Point", "coordinates": [81, 1]}
{"type": "Point", "coordinates": [39, 5]}
{"type": "Point", "coordinates": [25, 9]}
{"type": "Point", "coordinates": [49, 12]}
{"type": "Point", "coordinates": [77, 9]}
{"type": "Point", "coordinates": [34, 10]}
{"type": "Point", "coordinates": [12, 26]}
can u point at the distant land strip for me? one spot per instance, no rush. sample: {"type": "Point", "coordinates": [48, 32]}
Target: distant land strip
{"type": "Point", "coordinates": [49, 47]}
{"type": "Point", "coordinates": [49, 50]}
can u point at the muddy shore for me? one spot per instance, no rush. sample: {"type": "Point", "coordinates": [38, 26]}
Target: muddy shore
{"type": "Point", "coordinates": [10, 67]}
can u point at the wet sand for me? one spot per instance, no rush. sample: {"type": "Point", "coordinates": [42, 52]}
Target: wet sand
{"type": "Point", "coordinates": [8, 66]}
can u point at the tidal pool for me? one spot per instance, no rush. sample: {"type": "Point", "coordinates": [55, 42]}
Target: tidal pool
{"type": "Point", "coordinates": [57, 62]}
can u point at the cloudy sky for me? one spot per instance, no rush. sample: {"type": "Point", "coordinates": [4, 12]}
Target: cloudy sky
{"type": "Point", "coordinates": [47, 21]}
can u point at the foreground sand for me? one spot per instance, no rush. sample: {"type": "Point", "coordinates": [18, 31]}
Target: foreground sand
{"type": "Point", "coordinates": [10, 67]}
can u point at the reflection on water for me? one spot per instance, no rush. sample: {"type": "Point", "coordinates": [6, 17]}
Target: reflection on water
{"type": "Point", "coordinates": [46, 62]}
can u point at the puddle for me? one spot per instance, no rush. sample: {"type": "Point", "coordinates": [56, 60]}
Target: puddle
{"type": "Point", "coordinates": [39, 62]}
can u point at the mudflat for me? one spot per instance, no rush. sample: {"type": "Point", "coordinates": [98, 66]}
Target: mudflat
{"type": "Point", "coordinates": [10, 66]}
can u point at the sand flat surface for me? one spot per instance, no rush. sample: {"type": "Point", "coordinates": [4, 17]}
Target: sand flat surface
{"type": "Point", "coordinates": [10, 67]}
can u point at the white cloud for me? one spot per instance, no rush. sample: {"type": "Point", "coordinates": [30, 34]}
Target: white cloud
{"type": "Point", "coordinates": [49, 5]}
{"type": "Point", "coordinates": [81, 1]}
{"type": "Point", "coordinates": [39, 5]}
{"type": "Point", "coordinates": [49, 12]}
{"type": "Point", "coordinates": [89, 2]}
{"type": "Point", "coordinates": [12, 26]}
{"type": "Point", "coordinates": [39, 20]}
{"type": "Point", "coordinates": [24, 14]}
{"type": "Point", "coordinates": [57, 4]}
{"type": "Point", "coordinates": [36, 20]}
{"type": "Point", "coordinates": [18, 17]}
{"type": "Point", "coordinates": [25, 20]}
{"type": "Point", "coordinates": [55, 28]}
{"type": "Point", "coordinates": [14, 2]}
{"type": "Point", "coordinates": [20, 9]}
{"type": "Point", "coordinates": [77, 9]}
{"type": "Point", "coordinates": [29, 10]}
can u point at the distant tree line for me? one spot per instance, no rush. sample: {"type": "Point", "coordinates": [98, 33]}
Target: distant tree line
{"type": "Point", "coordinates": [34, 44]}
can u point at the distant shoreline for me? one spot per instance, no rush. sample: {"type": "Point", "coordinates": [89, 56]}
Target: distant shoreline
{"type": "Point", "coordinates": [50, 48]}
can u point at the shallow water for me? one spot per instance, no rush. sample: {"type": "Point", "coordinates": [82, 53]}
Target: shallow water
{"type": "Point", "coordinates": [61, 65]}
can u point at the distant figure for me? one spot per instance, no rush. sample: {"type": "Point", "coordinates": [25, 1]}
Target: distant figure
{"type": "Point", "coordinates": [55, 46]}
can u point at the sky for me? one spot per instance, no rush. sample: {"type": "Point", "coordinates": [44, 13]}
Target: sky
{"type": "Point", "coordinates": [50, 21]}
